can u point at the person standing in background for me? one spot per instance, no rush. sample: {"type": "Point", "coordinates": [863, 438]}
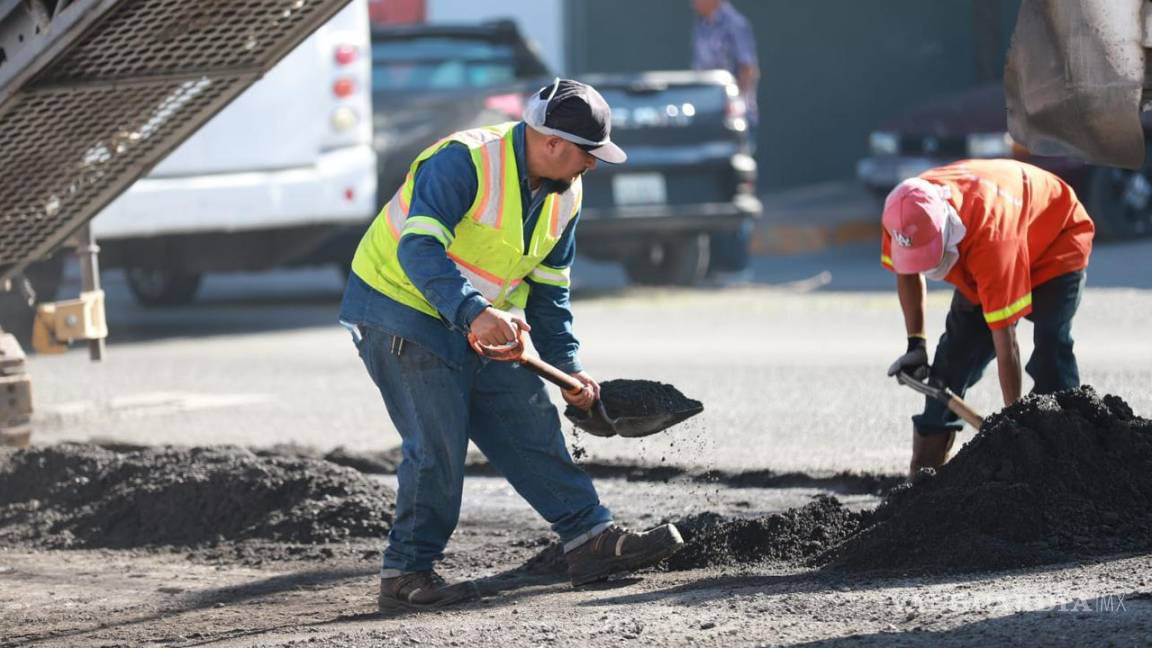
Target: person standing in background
{"type": "Point", "coordinates": [722, 40]}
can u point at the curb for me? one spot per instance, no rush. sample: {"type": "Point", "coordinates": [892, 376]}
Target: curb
{"type": "Point", "coordinates": [781, 239]}
{"type": "Point", "coordinates": [816, 217]}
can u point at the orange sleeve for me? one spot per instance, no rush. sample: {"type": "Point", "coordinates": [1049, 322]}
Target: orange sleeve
{"type": "Point", "coordinates": [886, 249]}
{"type": "Point", "coordinates": [1003, 279]}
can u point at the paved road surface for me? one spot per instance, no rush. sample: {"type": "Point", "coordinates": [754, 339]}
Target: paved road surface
{"type": "Point", "coordinates": [790, 367]}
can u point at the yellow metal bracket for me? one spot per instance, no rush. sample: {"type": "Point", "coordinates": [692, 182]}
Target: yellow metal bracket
{"type": "Point", "coordinates": [59, 323]}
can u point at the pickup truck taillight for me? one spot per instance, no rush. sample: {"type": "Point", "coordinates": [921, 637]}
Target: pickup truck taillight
{"type": "Point", "coordinates": [735, 111]}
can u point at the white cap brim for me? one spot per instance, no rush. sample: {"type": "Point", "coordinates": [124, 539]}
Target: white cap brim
{"type": "Point", "coordinates": [609, 153]}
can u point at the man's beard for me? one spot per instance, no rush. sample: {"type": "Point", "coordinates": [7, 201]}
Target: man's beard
{"type": "Point", "coordinates": [564, 185]}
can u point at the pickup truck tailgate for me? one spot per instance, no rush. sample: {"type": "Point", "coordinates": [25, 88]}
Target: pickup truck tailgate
{"type": "Point", "coordinates": [678, 132]}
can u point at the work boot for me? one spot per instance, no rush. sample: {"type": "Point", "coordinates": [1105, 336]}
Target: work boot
{"type": "Point", "coordinates": [422, 590]}
{"type": "Point", "coordinates": [929, 451]}
{"type": "Point", "coordinates": [615, 551]}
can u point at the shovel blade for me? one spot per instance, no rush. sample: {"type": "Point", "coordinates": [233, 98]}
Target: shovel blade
{"type": "Point", "coordinates": [595, 421]}
{"type": "Point", "coordinates": [598, 423]}
{"type": "Point", "coordinates": [642, 426]}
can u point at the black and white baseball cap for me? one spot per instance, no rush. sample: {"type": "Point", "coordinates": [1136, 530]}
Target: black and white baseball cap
{"type": "Point", "coordinates": [575, 112]}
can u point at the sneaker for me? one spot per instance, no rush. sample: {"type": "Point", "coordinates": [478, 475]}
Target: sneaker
{"type": "Point", "coordinates": [615, 551]}
{"type": "Point", "coordinates": [422, 590]}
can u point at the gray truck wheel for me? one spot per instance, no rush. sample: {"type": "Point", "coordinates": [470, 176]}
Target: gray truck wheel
{"type": "Point", "coordinates": [162, 287]}
{"type": "Point", "coordinates": [680, 260]}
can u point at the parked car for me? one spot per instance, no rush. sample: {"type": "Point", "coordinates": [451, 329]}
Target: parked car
{"type": "Point", "coordinates": [689, 172]}
{"type": "Point", "coordinates": [974, 124]}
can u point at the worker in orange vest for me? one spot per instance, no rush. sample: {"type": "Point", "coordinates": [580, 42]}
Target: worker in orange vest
{"type": "Point", "coordinates": [1014, 240]}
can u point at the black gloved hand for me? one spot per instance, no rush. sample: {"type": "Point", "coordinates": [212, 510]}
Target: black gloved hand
{"type": "Point", "coordinates": [914, 362]}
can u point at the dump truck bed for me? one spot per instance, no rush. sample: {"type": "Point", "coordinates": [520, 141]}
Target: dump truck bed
{"type": "Point", "coordinates": [94, 93]}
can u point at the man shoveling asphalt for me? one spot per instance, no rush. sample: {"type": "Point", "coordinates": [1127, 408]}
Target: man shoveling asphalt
{"type": "Point", "coordinates": [1014, 240]}
{"type": "Point", "coordinates": [484, 222]}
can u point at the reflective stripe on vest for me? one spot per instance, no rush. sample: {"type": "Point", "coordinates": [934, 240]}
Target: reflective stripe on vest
{"type": "Point", "coordinates": [551, 276]}
{"type": "Point", "coordinates": [1008, 311]}
{"type": "Point", "coordinates": [487, 245]}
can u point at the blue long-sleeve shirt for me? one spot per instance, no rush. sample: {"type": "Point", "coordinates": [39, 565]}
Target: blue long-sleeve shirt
{"type": "Point", "coordinates": [445, 187]}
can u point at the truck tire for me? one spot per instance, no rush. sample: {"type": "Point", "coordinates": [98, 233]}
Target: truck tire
{"type": "Point", "coordinates": [680, 260]}
{"type": "Point", "coordinates": [16, 315]}
{"type": "Point", "coordinates": [1120, 201]}
{"type": "Point", "coordinates": [155, 288]}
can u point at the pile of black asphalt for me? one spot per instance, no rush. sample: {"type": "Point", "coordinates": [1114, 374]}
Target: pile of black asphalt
{"type": "Point", "coordinates": [1052, 478]}
{"type": "Point", "coordinates": [86, 496]}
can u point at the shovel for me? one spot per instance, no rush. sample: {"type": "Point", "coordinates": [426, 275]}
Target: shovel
{"type": "Point", "coordinates": [944, 395]}
{"type": "Point", "coordinates": [595, 421]}
{"type": "Point", "coordinates": [627, 426]}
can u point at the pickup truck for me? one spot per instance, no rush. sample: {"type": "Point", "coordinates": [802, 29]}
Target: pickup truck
{"type": "Point", "coordinates": [689, 172]}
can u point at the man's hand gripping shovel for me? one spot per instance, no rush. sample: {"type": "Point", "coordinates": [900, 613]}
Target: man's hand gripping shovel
{"type": "Point", "coordinates": [944, 395]}
{"type": "Point", "coordinates": [596, 420]}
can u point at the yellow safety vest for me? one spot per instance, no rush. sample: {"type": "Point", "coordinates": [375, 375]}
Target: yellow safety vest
{"type": "Point", "coordinates": [487, 245]}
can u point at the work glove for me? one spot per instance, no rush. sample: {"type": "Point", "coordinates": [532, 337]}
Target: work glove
{"type": "Point", "coordinates": [914, 362]}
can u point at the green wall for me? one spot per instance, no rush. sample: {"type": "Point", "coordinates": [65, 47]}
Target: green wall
{"type": "Point", "coordinates": [830, 69]}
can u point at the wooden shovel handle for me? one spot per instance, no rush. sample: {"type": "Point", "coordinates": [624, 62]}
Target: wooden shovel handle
{"type": "Point", "coordinates": [967, 413]}
{"type": "Point", "coordinates": [504, 353]}
{"type": "Point", "coordinates": [551, 374]}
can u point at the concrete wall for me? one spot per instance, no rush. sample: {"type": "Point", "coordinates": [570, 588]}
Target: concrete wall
{"type": "Point", "coordinates": [539, 20]}
{"type": "Point", "coordinates": [830, 69]}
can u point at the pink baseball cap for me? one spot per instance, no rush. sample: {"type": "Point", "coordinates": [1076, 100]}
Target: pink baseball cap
{"type": "Point", "coordinates": [915, 213]}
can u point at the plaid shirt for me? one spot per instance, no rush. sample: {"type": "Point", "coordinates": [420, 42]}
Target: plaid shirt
{"type": "Point", "coordinates": [724, 41]}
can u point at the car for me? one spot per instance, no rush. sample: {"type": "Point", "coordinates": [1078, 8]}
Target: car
{"type": "Point", "coordinates": [689, 173]}
{"type": "Point", "coordinates": [973, 124]}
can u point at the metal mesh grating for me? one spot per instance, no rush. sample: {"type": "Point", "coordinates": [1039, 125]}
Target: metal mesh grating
{"type": "Point", "coordinates": [56, 168]}
{"type": "Point", "coordinates": [148, 37]}
{"type": "Point", "coordinates": [124, 94]}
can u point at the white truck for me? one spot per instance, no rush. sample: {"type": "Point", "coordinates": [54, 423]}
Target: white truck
{"type": "Point", "coordinates": [284, 175]}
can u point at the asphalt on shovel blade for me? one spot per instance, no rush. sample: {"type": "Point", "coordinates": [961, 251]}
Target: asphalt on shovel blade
{"type": "Point", "coordinates": [635, 408]}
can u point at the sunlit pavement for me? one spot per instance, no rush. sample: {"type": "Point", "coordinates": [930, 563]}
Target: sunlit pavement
{"type": "Point", "coordinates": [790, 367]}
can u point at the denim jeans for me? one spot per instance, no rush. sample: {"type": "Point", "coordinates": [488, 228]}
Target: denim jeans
{"type": "Point", "coordinates": [502, 408]}
{"type": "Point", "coordinates": [966, 348]}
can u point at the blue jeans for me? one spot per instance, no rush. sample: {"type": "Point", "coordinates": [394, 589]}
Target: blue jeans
{"type": "Point", "coordinates": [504, 409]}
{"type": "Point", "coordinates": [966, 348]}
